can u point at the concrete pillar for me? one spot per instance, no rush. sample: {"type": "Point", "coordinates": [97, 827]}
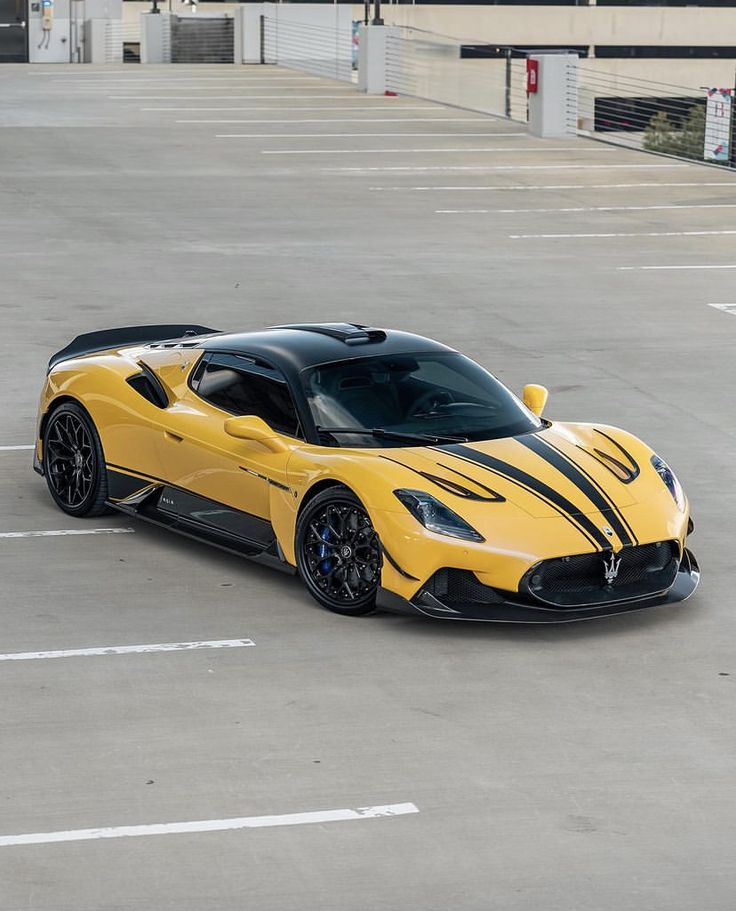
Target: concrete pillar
{"type": "Point", "coordinates": [553, 108]}
{"type": "Point", "coordinates": [248, 32]}
{"type": "Point", "coordinates": [155, 38]}
{"type": "Point", "coordinates": [372, 57]}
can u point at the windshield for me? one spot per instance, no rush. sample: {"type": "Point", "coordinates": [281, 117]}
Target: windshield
{"type": "Point", "coordinates": [434, 395]}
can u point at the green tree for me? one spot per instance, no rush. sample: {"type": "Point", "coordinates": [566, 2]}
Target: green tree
{"type": "Point", "coordinates": [686, 141]}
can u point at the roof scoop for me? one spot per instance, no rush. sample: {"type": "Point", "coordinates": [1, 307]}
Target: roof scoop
{"type": "Point", "coordinates": [349, 333]}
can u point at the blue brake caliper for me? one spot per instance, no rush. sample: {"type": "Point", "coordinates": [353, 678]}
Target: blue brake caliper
{"type": "Point", "coordinates": [326, 565]}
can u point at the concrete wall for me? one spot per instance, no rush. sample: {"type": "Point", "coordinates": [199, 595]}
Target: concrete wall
{"type": "Point", "coordinates": [557, 25]}
{"type": "Point", "coordinates": [64, 43]}
{"type": "Point", "coordinates": [571, 25]}
{"type": "Point", "coordinates": [568, 25]}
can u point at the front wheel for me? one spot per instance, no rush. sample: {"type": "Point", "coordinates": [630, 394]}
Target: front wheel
{"type": "Point", "coordinates": [338, 552]}
{"type": "Point", "coordinates": [73, 462]}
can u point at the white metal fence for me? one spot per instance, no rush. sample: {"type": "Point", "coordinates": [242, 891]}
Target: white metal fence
{"type": "Point", "coordinates": [655, 116]}
{"type": "Point", "coordinates": [459, 73]}
{"type": "Point", "coordinates": [320, 49]}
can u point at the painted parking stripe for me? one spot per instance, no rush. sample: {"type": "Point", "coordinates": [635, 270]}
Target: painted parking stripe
{"type": "Point", "coordinates": [719, 205]}
{"type": "Point", "coordinates": [340, 135]}
{"type": "Point", "coordinates": [347, 120]}
{"type": "Point", "coordinates": [128, 649]}
{"type": "Point", "coordinates": [484, 169]}
{"type": "Point", "coordinates": [551, 186]}
{"type": "Point", "coordinates": [16, 448]}
{"type": "Point", "coordinates": [60, 532]}
{"type": "Point", "coordinates": [665, 268]}
{"type": "Point", "coordinates": [292, 96]}
{"type": "Point", "coordinates": [287, 107]}
{"type": "Point", "coordinates": [554, 167]}
{"type": "Point", "coordinates": [726, 308]}
{"type": "Point", "coordinates": [623, 234]}
{"type": "Point", "coordinates": [212, 825]}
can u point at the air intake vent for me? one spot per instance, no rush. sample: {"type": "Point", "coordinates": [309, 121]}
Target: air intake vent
{"type": "Point", "coordinates": [349, 333]}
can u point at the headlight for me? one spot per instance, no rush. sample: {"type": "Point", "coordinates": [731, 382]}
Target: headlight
{"type": "Point", "coordinates": [670, 481]}
{"type": "Point", "coordinates": [435, 516]}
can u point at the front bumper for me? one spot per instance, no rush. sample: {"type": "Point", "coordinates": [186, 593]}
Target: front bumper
{"type": "Point", "coordinates": [504, 607]}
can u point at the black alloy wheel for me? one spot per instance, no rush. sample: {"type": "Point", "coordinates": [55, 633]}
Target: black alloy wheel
{"type": "Point", "coordinates": [73, 463]}
{"type": "Point", "coordinates": [338, 552]}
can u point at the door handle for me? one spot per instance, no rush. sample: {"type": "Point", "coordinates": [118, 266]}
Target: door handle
{"type": "Point", "coordinates": [173, 437]}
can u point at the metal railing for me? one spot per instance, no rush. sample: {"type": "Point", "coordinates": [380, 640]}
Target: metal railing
{"type": "Point", "coordinates": [457, 72]}
{"type": "Point", "coordinates": [682, 121]}
{"type": "Point", "coordinates": [322, 50]}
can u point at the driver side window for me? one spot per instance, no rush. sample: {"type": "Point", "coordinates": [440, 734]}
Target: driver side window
{"type": "Point", "coordinates": [226, 385]}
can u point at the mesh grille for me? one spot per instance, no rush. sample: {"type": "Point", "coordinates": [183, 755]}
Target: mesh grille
{"type": "Point", "coordinates": [458, 586]}
{"type": "Point", "coordinates": [581, 580]}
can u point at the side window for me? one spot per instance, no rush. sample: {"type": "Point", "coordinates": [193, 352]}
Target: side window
{"type": "Point", "coordinates": [241, 392]}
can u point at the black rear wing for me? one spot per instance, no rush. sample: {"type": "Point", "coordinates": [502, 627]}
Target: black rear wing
{"type": "Point", "coordinates": [128, 335]}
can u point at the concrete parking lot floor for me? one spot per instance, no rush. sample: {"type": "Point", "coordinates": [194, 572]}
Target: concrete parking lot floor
{"type": "Point", "coordinates": [585, 766]}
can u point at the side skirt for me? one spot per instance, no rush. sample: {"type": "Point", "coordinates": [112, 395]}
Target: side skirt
{"type": "Point", "coordinates": [166, 506]}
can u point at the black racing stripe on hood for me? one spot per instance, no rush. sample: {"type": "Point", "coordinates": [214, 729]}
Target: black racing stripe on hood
{"type": "Point", "coordinates": [571, 512]}
{"type": "Point", "coordinates": [582, 481]}
{"type": "Point", "coordinates": [598, 487]}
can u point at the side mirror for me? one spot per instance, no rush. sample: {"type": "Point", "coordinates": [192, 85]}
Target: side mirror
{"type": "Point", "coordinates": [250, 427]}
{"type": "Point", "coordinates": [535, 398]}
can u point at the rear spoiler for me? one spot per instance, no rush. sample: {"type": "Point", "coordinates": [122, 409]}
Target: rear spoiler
{"type": "Point", "coordinates": [128, 335]}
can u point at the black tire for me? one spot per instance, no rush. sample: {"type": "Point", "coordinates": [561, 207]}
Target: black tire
{"type": "Point", "coordinates": [73, 462]}
{"type": "Point", "coordinates": [338, 553]}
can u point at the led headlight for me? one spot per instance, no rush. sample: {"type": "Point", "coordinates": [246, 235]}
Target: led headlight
{"type": "Point", "coordinates": [435, 516]}
{"type": "Point", "coordinates": [670, 481]}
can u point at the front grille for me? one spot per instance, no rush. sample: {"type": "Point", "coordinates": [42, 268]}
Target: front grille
{"type": "Point", "coordinates": [577, 581]}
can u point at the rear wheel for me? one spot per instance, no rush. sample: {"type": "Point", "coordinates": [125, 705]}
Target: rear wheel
{"type": "Point", "coordinates": [73, 462]}
{"type": "Point", "coordinates": [338, 552]}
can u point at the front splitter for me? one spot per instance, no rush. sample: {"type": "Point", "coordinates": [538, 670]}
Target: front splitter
{"type": "Point", "coordinates": [518, 611]}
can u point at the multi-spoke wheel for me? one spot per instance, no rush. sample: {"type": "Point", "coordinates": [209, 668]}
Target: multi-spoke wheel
{"type": "Point", "coordinates": [338, 552]}
{"type": "Point", "coordinates": [73, 462]}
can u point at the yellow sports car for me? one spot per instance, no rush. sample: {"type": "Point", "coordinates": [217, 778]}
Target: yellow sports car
{"type": "Point", "coordinates": [385, 468]}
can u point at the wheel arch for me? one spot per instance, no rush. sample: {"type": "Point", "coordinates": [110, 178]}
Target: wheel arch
{"type": "Point", "coordinates": [317, 488]}
{"type": "Point", "coordinates": [64, 399]}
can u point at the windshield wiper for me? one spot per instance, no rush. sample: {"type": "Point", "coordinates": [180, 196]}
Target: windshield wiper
{"type": "Point", "coordinates": [381, 434]}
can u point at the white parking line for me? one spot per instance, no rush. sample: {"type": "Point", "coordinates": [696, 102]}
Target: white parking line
{"type": "Point", "coordinates": [664, 268]}
{"type": "Point", "coordinates": [15, 448]}
{"type": "Point", "coordinates": [369, 106]}
{"type": "Point", "coordinates": [172, 83]}
{"type": "Point", "coordinates": [292, 96]}
{"type": "Point", "coordinates": [491, 135]}
{"type": "Point", "coordinates": [128, 649]}
{"type": "Point", "coordinates": [484, 168]}
{"type": "Point", "coordinates": [352, 120]}
{"type": "Point", "coordinates": [553, 186]}
{"type": "Point", "coordinates": [337, 135]}
{"type": "Point", "coordinates": [212, 825]}
{"type": "Point", "coordinates": [486, 134]}
{"type": "Point", "coordinates": [724, 205]}
{"type": "Point", "coordinates": [59, 532]}
{"type": "Point", "coordinates": [726, 308]}
{"type": "Point", "coordinates": [623, 234]}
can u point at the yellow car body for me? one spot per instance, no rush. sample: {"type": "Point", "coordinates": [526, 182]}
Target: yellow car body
{"type": "Point", "coordinates": [565, 492]}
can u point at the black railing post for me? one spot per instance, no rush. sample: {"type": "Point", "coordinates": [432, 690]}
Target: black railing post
{"type": "Point", "coordinates": [262, 29]}
{"type": "Point", "coordinates": [507, 96]}
{"type": "Point", "coordinates": [732, 134]}
{"type": "Point", "coordinates": [377, 20]}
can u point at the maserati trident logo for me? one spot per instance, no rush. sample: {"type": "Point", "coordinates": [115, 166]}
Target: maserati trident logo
{"type": "Point", "coordinates": [611, 568]}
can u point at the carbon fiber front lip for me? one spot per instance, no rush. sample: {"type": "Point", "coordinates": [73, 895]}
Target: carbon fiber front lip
{"type": "Point", "coordinates": [427, 605]}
